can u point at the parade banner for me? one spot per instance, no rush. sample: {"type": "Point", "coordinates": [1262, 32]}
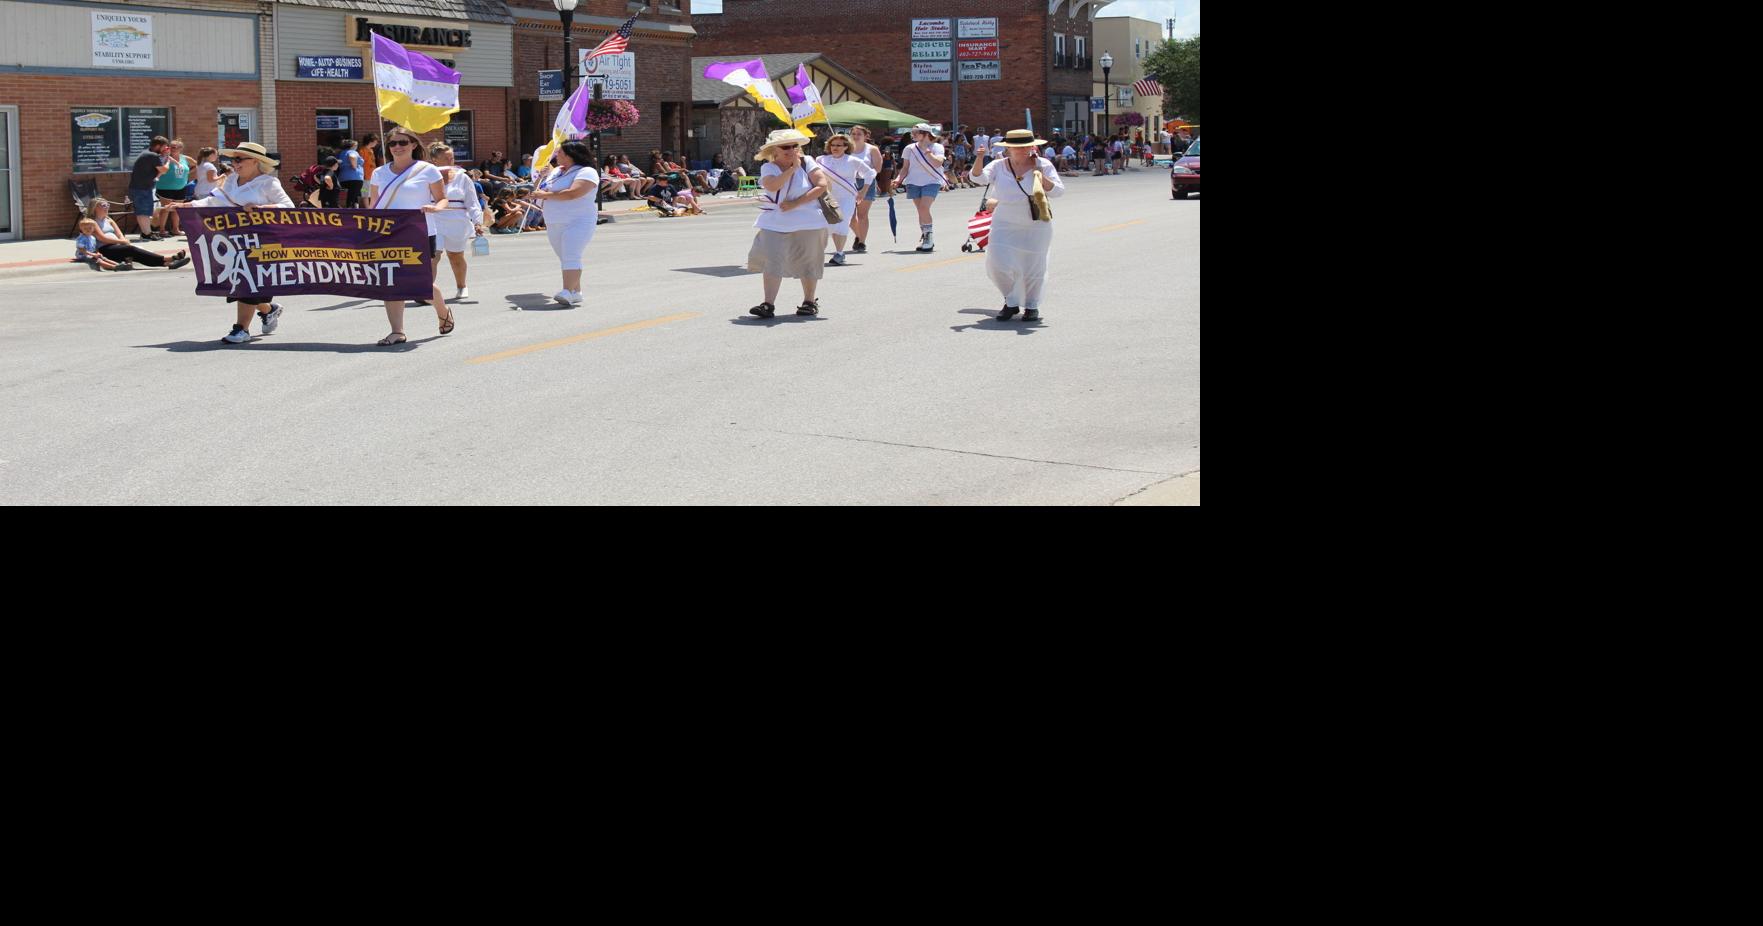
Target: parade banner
{"type": "Point", "coordinates": [363, 253]}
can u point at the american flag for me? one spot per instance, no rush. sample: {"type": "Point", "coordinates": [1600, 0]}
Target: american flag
{"type": "Point", "coordinates": [615, 43]}
{"type": "Point", "coordinates": [980, 228]}
{"type": "Point", "coordinates": [1147, 87]}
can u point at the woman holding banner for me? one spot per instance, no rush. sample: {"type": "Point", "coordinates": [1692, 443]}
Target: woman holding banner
{"type": "Point", "coordinates": [409, 182]}
{"type": "Point", "coordinates": [571, 214]}
{"type": "Point", "coordinates": [252, 185]}
{"type": "Point", "coordinates": [847, 173]}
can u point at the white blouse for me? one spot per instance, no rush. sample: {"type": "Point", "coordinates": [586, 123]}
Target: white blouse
{"type": "Point", "coordinates": [264, 190]}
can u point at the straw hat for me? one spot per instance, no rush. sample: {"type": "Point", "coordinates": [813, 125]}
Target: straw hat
{"type": "Point", "coordinates": [1019, 138]}
{"type": "Point", "coordinates": [251, 149]}
{"type": "Point", "coordinates": [783, 137]}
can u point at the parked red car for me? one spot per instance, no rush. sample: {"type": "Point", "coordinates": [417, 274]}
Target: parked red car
{"type": "Point", "coordinates": [1184, 174]}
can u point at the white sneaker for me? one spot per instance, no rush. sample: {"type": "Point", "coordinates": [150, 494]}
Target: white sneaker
{"type": "Point", "coordinates": [562, 297]}
{"type": "Point", "coordinates": [273, 319]}
{"type": "Point", "coordinates": [237, 336]}
{"type": "Point", "coordinates": [464, 293]}
{"type": "Point", "coordinates": [575, 298]}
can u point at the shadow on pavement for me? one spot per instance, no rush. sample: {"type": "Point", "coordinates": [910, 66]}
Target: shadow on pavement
{"type": "Point", "coordinates": [990, 323]}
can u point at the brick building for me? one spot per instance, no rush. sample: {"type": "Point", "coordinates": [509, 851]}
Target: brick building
{"type": "Point", "coordinates": [1128, 41]}
{"type": "Point", "coordinates": [84, 86]}
{"type": "Point", "coordinates": [1044, 52]}
{"type": "Point", "coordinates": [661, 42]}
{"type": "Point", "coordinates": [324, 71]}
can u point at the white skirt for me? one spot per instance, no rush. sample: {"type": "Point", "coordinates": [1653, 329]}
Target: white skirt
{"type": "Point", "coordinates": [1016, 256]}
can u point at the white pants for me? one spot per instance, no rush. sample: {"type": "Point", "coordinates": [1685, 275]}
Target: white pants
{"type": "Point", "coordinates": [569, 239]}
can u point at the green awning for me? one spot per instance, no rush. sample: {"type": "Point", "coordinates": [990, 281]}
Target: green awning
{"type": "Point", "coordinates": [851, 113]}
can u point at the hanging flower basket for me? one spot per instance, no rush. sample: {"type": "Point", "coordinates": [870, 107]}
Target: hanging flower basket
{"type": "Point", "coordinates": [611, 114]}
{"type": "Point", "coordinates": [1129, 119]}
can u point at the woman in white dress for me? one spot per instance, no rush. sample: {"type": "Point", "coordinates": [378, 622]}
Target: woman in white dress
{"type": "Point", "coordinates": [409, 182]}
{"type": "Point", "coordinates": [1016, 258]}
{"type": "Point", "coordinates": [253, 185]}
{"type": "Point", "coordinates": [848, 174]}
{"type": "Point", "coordinates": [462, 220]}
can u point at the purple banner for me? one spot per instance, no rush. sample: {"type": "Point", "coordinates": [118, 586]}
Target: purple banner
{"type": "Point", "coordinates": [364, 253]}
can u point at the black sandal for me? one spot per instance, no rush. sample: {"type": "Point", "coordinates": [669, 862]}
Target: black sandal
{"type": "Point", "coordinates": [763, 310]}
{"type": "Point", "coordinates": [809, 307]}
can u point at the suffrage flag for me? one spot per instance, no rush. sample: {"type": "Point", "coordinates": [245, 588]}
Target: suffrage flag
{"type": "Point", "coordinates": [414, 90]}
{"type": "Point", "coordinates": [806, 97]}
{"type": "Point", "coordinates": [572, 122]}
{"type": "Point", "coordinates": [750, 76]}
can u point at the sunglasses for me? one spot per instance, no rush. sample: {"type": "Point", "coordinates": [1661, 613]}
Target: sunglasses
{"type": "Point", "coordinates": [788, 147]}
{"type": "Point", "coordinates": [399, 144]}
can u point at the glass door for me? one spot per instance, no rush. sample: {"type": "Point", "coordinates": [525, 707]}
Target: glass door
{"type": "Point", "coordinates": [9, 219]}
{"type": "Point", "coordinates": [237, 126]}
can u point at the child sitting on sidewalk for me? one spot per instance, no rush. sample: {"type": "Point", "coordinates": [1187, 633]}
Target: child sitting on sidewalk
{"type": "Point", "coordinates": [85, 248]}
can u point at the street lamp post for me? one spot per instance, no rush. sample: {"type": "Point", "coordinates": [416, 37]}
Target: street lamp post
{"type": "Point", "coordinates": [566, 10]}
{"type": "Point", "coordinates": [1107, 93]}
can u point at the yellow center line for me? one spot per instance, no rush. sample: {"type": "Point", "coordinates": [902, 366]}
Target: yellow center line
{"type": "Point", "coordinates": [1121, 225]}
{"type": "Point", "coordinates": [576, 339]}
{"type": "Point", "coordinates": [940, 263]}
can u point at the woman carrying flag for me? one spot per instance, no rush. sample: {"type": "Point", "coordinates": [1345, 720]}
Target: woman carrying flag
{"type": "Point", "coordinates": [848, 174]}
{"type": "Point", "coordinates": [571, 214]}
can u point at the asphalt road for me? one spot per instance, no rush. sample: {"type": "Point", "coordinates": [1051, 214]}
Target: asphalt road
{"type": "Point", "coordinates": [116, 389]}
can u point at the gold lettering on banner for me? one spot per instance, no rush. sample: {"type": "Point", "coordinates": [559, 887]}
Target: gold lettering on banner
{"type": "Point", "coordinates": [273, 253]}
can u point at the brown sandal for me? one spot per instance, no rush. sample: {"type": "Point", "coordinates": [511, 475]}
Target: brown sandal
{"type": "Point", "coordinates": [396, 337]}
{"type": "Point", "coordinates": [447, 326]}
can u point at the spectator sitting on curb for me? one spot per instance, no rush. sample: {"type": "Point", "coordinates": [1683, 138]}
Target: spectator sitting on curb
{"type": "Point", "coordinates": [85, 248]}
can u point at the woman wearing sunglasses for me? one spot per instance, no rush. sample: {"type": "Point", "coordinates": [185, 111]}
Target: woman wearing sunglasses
{"type": "Point", "coordinates": [792, 230]}
{"type": "Point", "coordinates": [409, 182]}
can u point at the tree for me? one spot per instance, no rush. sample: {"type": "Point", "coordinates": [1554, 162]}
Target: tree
{"type": "Point", "coordinates": [1176, 65]}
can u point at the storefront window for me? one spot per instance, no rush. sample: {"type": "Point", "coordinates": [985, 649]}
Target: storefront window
{"type": "Point", "coordinates": [458, 137]}
{"type": "Point", "coordinates": [333, 126]}
{"type": "Point", "coordinates": [108, 139]}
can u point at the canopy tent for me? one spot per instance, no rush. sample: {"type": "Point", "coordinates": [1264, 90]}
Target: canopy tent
{"type": "Point", "coordinates": [851, 113]}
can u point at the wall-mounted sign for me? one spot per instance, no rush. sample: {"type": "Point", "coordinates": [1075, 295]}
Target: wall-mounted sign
{"type": "Point", "coordinates": [458, 136]}
{"type": "Point", "coordinates": [979, 28]}
{"type": "Point", "coordinates": [1096, 104]}
{"type": "Point", "coordinates": [330, 67]}
{"type": "Point", "coordinates": [330, 124]}
{"type": "Point", "coordinates": [977, 50]}
{"type": "Point", "coordinates": [551, 85]}
{"type": "Point", "coordinates": [108, 139]}
{"type": "Point", "coordinates": [981, 70]}
{"type": "Point", "coordinates": [931, 29]}
{"type": "Point", "coordinates": [421, 37]}
{"type": "Point", "coordinates": [617, 72]}
{"type": "Point", "coordinates": [930, 49]}
{"type": "Point", "coordinates": [122, 41]}
{"type": "Point", "coordinates": [923, 71]}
